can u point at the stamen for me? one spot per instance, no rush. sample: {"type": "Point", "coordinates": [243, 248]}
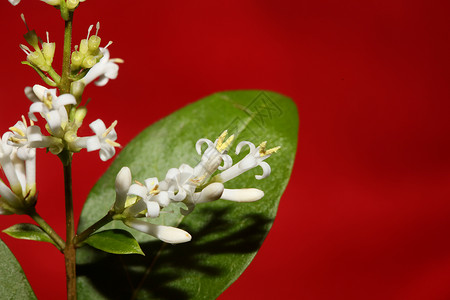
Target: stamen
{"type": "Point", "coordinates": [17, 131]}
{"type": "Point", "coordinates": [107, 131]}
{"type": "Point", "coordinates": [98, 28]}
{"type": "Point", "coordinates": [117, 60]}
{"type": "Point", "coordinates": [48, 38]}
{"type": "Point", "coordinates": [25, 49]}
{"type": "Point", "coordinates": [24, 121]}
{"type": "Point", "coordinates": [76, 47]}
{"type": "Point", "coordinates": [137, 182]}
{"type": "Point", "coordinates": [273, 150]}
{"type": "Point", "coordinates": [89, 31]}
{"type": "Point", "coordinates": [112, 143]}
{"type": "Point", "coordinates": [23, 19]}
{"type": "Point", "coordinates": [107, 45]}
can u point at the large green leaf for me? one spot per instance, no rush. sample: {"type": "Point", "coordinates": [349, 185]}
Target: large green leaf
{"type": "Point", "coordinates": [13, 283]}
{"type": "Point", "coordinates": [225, 235]}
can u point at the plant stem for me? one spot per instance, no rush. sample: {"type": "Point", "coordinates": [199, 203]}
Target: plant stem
{"type": "Point", "coordinates": [93, 228]}
{"type": "Point", "coordinates": [64, 86]}
{"type": "Point", "coordinates": [69, 251]}
{"type": "Point", "coordinates": [47, 228]}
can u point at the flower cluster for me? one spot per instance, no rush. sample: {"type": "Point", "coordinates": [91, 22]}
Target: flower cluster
{"type": "Point", "coordinates": [62, 116]}
{"type": "Point", "coordinates": [188, 185]}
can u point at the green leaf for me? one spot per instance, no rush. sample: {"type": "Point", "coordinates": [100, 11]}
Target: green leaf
{"type": "Point", "coordinates": [13, 283]}
{"type": "Point", "coordinates": [225, 235]}
{"type": "Point", "coordinates": [27, 231]}
{"type": "Point", "coordinates": [115, 241]}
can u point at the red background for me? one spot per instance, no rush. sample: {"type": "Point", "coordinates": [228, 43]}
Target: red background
{"type": "Point", "coordinates": [367, 212]}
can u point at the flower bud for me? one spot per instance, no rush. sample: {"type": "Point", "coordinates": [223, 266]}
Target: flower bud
{"type": "Point", "coordinates": [48, 50]}
{"type": "Point", "coordinates": [93, 44]}
{"type": "Point", "coordinates": [80, 114]}
{"type": "Point", "coordinates": [89, 61]}
{"type": "Point", "coordinates": [37, 59]}
{"type": "Point", "coordinates": [77, 60]}
{"type": "Point", "coordinates": [84, 46]}
{"type": "Point", "coordinates": [72, 4]}
{"type": "Point", "coordinates": [123, 183]}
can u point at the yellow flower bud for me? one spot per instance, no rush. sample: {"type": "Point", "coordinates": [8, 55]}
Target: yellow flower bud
{"type": "Point", "coordinates": [84, 46]}
{"type": "Point", "coordinates": [77, 60]}
{"type": "Point", "coordinates": [48, 49]}
{"type": "Point", "coordinates": [89, 61]}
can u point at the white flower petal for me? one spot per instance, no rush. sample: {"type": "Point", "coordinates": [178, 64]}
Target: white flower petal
{"type": "Point", "coordinates": [266, 170]}
{"type": "Point", "coordinates": [106, 152]}
{"type": "Point", "coordinates": [138, 190]}
{"type": "Point", "coordinates": [245, 143]}
{"type": "Point", "coordinates": [152, 209]}
{"type": "Point", "coordinates": [93, 143]}
{"type": "Point", "coordinates": [98, 127]}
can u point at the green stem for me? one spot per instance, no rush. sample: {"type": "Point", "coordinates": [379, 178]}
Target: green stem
{"type": "Point", "coordinates": [100, 223]}
{"type": "Point", "coordinates": [69, 251]}
{"type": "Point", "coordinates": [64, 86]}
{"type": "Point", "coordinates": [47, 228]}
{"type": "Point", "coordinates": [55, 76]}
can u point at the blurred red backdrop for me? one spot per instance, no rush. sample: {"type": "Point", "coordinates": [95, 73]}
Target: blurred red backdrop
{"type": "Point", "coordinates": [367, 212]}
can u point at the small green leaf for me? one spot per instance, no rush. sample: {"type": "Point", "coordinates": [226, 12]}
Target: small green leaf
{"type": "Point", "coordinates": [115, 241]}
{"type": "Point", "coordinates": [225, 235]}
{"type": "Point", "coordinates": [27, 231]}
{"type": "Point", "coordinates": [13, 282]}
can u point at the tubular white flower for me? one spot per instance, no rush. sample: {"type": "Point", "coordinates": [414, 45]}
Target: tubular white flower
{"type": "Point", "coordinates": [213, 157]}
{"type": "Point", "coordinates": [179, 183]}
{"type": "Point", "coordinates": [103, 140]}
{"type": "Point", "coordinates": [255, 158]}
{"type": "Point", "coordinates": [6, 152]}
{"type": "Point", "coordinates": [166, 234]}
{"type": "Point", "coordinates": [104, 70]}
{"type": "Point", "coordinates": [242, 195]}
{"type": "Point", "coordinates": [20, 170]}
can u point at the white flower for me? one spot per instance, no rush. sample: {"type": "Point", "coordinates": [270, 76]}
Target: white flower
{"type": "Point", "coordinates": [26, 137]}
{"type": "Point", "coordinates": [20, 173]}
{"type": "Point", "coordinates": [148, 193]}
{"type": "Point", "coordinates": [14, 2]}
{"type": "Point", "coordinates": [255, 158]}
{"type": "Point", "coordinates": [213, 157]}
{"type": "Point", "coordinates": [103, 140]}
{"type": "Point", "coordinates": [104, 70]}
{"type": "Point", "coordinates": [166, 234]}
{"type": "Point", "coordinates": [51, 108]}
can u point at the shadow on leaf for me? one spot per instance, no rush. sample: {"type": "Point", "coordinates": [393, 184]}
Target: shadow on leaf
{"type": "Point", "coordinates": [177, 271]}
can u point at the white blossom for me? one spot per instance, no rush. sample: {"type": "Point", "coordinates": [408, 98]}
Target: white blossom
{"type": "Point", "coordinates": [51, 107]}
{"type": "Point", "coordinates": [104, 70]}
{"type": "Point", "coordinates": [255, 158]}
{"type": "Point", "coordinates": [103, 140]}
